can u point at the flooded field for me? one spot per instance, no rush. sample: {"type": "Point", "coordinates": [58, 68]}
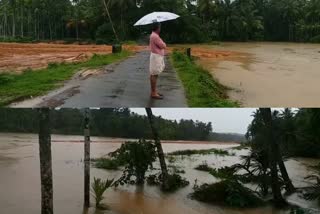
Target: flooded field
{"type": "Point", "coordinates": [268, 74]}
{"type": "Point", "coordinates": [20, 178]}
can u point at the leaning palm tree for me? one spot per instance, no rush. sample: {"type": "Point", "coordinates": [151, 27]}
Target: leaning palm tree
{"type": "Point", "coordinates": [86, 159]}
{"type": "Point", "coordinates": [123, 6]}
{"type": "Point", "coordinates": [106, 6]}
{"type": "Point", "coordinates": [45, 161]}
{"type": "Point", "coordinates": [162, 160]}
{"type": "Point", "coordinates": [273, 156]}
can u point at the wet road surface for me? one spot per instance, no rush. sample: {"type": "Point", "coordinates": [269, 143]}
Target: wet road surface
{"type": "Point", "coordinates": [125, 84]}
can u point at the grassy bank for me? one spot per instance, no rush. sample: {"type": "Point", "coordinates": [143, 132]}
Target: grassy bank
{"type": "Point", "coordinates": [202, 90]}
{"type": "Point", "coordinates": [14, 87]}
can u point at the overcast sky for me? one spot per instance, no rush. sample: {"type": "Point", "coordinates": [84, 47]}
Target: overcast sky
{"type": "Point", "coordinates": [231, 120]}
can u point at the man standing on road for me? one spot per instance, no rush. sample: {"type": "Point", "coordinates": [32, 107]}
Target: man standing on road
{"type": "Point", "coordinates": [157, 64]}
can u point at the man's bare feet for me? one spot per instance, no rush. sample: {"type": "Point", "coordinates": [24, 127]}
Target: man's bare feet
{"type": "Point", "coordinates": [157, 96]}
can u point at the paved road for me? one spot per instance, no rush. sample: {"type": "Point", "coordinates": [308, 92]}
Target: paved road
{"type": "Point", "coordinates": [123, 85]}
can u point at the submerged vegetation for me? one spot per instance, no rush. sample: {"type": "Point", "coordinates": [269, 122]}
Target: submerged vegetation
{"type": "Point", "coordinates": [227, 193]}
{"type": "Point", "coordinates": [174, 182]}
{"type": "Point", "coordinates": [200, 87]}
{"type": "Point", "coordinates": [204, 167]}
{"type": "Point", "coordinates": [313, 193]}
{"type": "Point", "coordinates": [106, 163]}
{"type": "Point", "coordinates": [15, 87]}
{"type": "Point", "coordinates": [189, 152]}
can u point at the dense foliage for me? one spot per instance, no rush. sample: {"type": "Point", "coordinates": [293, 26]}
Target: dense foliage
{"type": "Point", "coordinates": [201, 20]}
{"type": "Point", "coordinates": [104, 122]}
{"type": "Point", "coordinates": [137, 158]}
{"type": "Point", "coordinates": [297, 133]}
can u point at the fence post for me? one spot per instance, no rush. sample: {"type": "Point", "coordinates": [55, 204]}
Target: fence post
{"type": "Point", "coordinates": [188, 51]}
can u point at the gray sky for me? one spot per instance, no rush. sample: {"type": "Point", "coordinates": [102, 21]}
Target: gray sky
{"type": "Point", "coordinates": [234, 120]}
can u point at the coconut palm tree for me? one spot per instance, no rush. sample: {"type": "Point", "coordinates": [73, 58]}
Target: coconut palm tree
{"type": "Point", "coordinates": [106, 6]}
{"type": "Point", "coordinates": [273, 156]}
{"type": "Point", "coordinates": [45, 161]}
{"type": "Point", "coordinates": [206, 8]}
{"type": "Point", "coordinates": [123, 6]}
{"type": "Point", "coordinates": [226, 16]}
{"type": "Point", "coordinates": [162, 160]}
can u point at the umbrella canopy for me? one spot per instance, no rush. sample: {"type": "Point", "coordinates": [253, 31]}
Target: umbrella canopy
{"type": "Point", "coordinates": [156, 17]}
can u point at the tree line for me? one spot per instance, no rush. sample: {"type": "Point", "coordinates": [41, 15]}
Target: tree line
{"type": "Point", "coordinates": [106, 21]}
{"type": "Point", "coordinates": [104, 122]}
{"type": "Point", "coordinates": [297, 132]}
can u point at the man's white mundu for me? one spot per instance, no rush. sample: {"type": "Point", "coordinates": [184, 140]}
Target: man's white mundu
{"type": "Point", "coordinates": [157, 64]}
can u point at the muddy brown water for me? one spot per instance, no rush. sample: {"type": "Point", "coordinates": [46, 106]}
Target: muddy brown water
{"type": "Point", "coordinates": [20, 178]}
{"type": "Point", "coordinates": [268, 74]}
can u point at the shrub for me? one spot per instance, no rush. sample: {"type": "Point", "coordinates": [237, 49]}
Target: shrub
{"type": "Point", "coordinates": [315, 39]}
{"type": "Point", "coordinates": [224, 172]}
{"type": "Point", "coordinates": [227, 192]}
{"type": "Point", "coordinates": [175, 182]}
{"type": "Point", "coordinates": [204, 167]}
{"type": "Point", "coordinates": [106, 163]}
{"type": "Point", "coordinates": [153, 180]}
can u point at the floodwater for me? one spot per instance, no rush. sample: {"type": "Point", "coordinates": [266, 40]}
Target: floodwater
{"type": "Point", "coordinates": [268, 74]}
{"type": "Point", "coordinates": [20, 179]}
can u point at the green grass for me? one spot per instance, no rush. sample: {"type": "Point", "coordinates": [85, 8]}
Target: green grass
{"type": "Point", "coordinates": [202, 90]}
{"type": "Point", "coordinates": [189, 152]}
{"type": "Point", "coordinates": [15, 87]}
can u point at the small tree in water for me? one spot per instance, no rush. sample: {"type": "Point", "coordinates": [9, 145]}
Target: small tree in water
{"type": "Point", "coordinates": [98, 188]}
{"type": "Point", "coordinates": [137, 157]}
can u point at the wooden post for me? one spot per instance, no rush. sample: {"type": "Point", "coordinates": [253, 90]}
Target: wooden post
{"type": "Point", "coordinates": [116, 48]}
{"type": "Point", "coordinates": [86, 159]}
{"type": "Point", "coordinates": [188, 52]}
{"type": "Point", "coordinates": [45, 161]}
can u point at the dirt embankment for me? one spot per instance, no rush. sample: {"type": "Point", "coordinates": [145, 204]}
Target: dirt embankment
{"type": "Point", "coordinates": [16, 57]}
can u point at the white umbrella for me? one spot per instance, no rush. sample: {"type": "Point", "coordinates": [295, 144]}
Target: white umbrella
{"type": "Point", "coordinates": [156, 17]}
